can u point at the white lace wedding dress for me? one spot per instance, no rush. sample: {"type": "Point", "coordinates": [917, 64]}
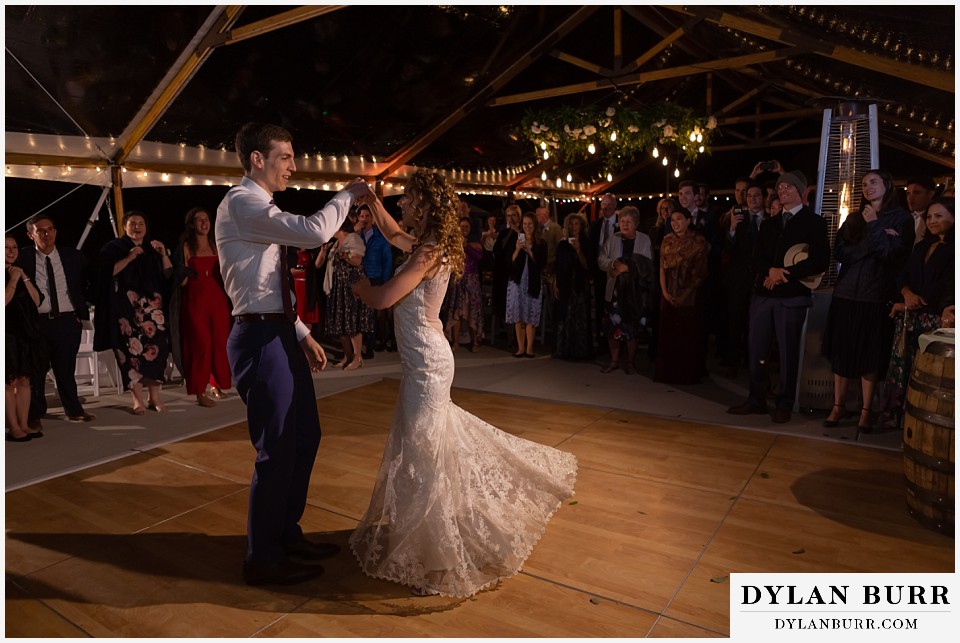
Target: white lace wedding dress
{"type": "Point", "coordinates": [458, 504]}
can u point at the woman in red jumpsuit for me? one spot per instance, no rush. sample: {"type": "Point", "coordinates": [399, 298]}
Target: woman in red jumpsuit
{"type": "Point", "coordinates": [205, 312]}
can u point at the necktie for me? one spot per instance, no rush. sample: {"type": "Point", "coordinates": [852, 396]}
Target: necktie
{"type": "Point", "coordinates": [756, 221]}
{"type": "Point", "coordinates": [52, 289]}
{"type": "Point", "coordinates": [288, 311]}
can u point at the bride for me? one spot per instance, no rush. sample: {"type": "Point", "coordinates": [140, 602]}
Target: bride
{"type": "Point", "coordinates": [458, 504]}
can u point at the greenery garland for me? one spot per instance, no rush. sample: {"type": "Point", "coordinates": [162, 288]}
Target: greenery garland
{"type": "Point", "coordinates": [618, 134]}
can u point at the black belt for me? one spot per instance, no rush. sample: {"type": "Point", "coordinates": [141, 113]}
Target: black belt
{"type": "Point", "coordinates": [247, 318]}
{"type": "Point", "coordinates": [58, 315]}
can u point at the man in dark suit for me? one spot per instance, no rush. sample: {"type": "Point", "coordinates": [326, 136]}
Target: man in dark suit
{"type": "Point", "coordinates": [742, 226]}
{"type": "Point", "coordinates": [58, 274]}
{"type": "Point", "coordinates": [604, 226]}
{"type": "Point", "coordinates": [781, 296]}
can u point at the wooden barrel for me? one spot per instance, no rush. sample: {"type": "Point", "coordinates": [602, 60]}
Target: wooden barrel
{"type": "Point", "coordinates": [928, 442]}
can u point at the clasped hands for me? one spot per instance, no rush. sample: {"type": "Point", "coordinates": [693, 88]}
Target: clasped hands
{"type": "Point", "coordinates": [775, 277]}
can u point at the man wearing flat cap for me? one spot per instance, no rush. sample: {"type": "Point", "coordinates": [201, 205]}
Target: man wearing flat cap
{"type": "Point", "coordinates": [791, 252]}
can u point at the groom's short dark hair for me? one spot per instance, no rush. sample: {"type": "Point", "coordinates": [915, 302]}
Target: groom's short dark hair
{"type": "Point", "coordinates": [256, 137]}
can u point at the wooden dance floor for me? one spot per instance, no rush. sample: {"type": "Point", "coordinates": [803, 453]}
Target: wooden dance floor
{"type": "Point", "coordinates": [151, 545]}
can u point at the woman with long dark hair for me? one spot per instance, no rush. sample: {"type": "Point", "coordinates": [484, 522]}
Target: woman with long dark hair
{"type": "Point", "coordinates": [23, 357]}
{"type": "Point", "coordinates": [204, 311]}
{"type": "Point", "coordinates": [926, 292]}
{"type": "Point", "coordinates": [573, 310]}
{"type": "Point", "coordinates": [457, 504]}
{"type": "Point", "coordinates": [871, 249]}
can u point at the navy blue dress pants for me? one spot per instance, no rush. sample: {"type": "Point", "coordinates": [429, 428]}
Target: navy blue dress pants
{"type": "Point", "coordinates": [273, 379]}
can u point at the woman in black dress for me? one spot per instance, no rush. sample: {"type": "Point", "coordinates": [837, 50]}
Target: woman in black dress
{"type": "Point", "coordinates": [131, 319]}
{"type": "Point", "coordinates": [22, 344]}
{"type": "Point", "coordinates": [872, 247]}
{"type": "Point", "coordinates": [573, 310]}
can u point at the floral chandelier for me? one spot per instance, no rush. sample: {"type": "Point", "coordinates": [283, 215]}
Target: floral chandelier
{"type": "Point", "coordinates": [617, 135]}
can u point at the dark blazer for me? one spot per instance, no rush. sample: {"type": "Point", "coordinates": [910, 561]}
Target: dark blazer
{"type": "Point", "coordinates": [536, 266]}
{"type": "Point", "coordinates": [738, 254]}
{"type": "Point", "coordinates": [871, 267]}
{"type": "Point", "coordinates": [73, 268]}
{"type": "Point", "coordinates": [934, 279]}
{"type": "Point", "coordinates": [775, 239]}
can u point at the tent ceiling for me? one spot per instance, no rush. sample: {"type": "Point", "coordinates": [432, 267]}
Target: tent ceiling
{"type": "Point", "coordinates": [447, 86]}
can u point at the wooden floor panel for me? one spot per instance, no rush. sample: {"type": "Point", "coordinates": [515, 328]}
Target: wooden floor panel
{"type": "Point", "coordinates": [151, 545]}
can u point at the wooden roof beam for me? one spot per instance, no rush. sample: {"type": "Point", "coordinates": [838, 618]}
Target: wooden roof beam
{"type": "Point", "coordinates": [279, 21]}
{"type": "Point", "coordinates": [581, 63]}
{"type": "Point", "coordinates": [947, 161]}
{"type": "Point", "coordinates": [643, 77]}
{"type": "Point", "coordinates": [905, 71]}
{"type": "Point", "coordinates": [481, 97]}
{"type": "Point", "coordinates": [193, 56]}
{"type": "Point", "coordinates": [668, 40]}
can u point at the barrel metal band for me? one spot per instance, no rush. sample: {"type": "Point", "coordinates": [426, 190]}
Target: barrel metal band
{"type": "Point", "coordinates": [931, 389]}
{"type": "Point", "coordinates": [931, 418]}
{"type": "Point", "coordinates": [929, 461]}
{"type": "Point", "coordinates": [932, 498]}
{"type": "Point", "coordinates": [937, 525]}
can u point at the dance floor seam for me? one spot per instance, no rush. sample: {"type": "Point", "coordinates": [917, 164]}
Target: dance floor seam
{"type": "Point", "coordinates": [150, 545]}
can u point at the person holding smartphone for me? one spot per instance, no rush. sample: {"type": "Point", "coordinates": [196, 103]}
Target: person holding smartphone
{"type": "Point", "coordinates": [524, 296]}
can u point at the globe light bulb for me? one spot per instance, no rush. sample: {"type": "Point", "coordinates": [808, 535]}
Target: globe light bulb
{"type": "Point", "coordinates": [656, 153]}
{"type": "Point", "coordinates": [569, 177]}
{"type": "Point", "coordinates": [613, 136]}
{"type": "Point", "coordinates": [559, 182]}
{"type": "Point", "coordinates": [699, 138]}
{"type": "Point", "coordinates": [543, 145]}
{"type": "Point", "coordinates": [591, 148]}
{"type": "Point", "coordinates": [693, 137]}
{"type": "Point", "coordinates": [701, 149]}
{"type": "Point", "coordinates": [665, 161]}
{"type": "Point", "coordinates": [609, 177]}
{"type": "Point", "coordinates": [546, 155]}
{"type": "Point", "coordinates": [543, 176]}
{"type": "Point", "coordinates": [676, 173]}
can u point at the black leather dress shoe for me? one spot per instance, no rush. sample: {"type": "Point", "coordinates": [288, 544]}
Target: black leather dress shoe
{"type": "Point", "coordinates": [781, 416]}
{"type": "Point", "coordinates": [309, 553]}
{"type": "Point", "coordinates": [747, 409]}
{"type": "Point", "coordinates": [285, 572]}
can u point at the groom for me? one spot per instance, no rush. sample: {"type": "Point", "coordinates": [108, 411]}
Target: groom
{"type": "Point", "coordinates": [271, 352]}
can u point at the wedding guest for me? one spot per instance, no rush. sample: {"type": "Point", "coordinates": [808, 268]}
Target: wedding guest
{"type": "Point", "coordinates": [683, 269]}
{"type": "Point", "coordinates": [204, 311]}
{"type": "Point", "coordinates": [925, 303]}
{"type": "Point", "coordinates": [503, 260]}
{"type": "Point", "coordinates": [627, 259]}
{"type": "Point", "coordinates": [58, 274]}
{"type": "Point", "coordinates": [464, 298]}
{"type": "Point", "coordinates": [660, 228]}
{"type": "Point", "coordinates": [378, 266]}
{"type": "Point", "coordinates": [24, 356]}
{"type": "Point", "coordinates": [573, 312]}
{"type": "Point", "coordinates": [347, 317]}
{"type": "Point", "coordinates": [134, 278]}
{"type": "Point", "coordinates": [781, 296]}
{"type": "Point", "coordinates": [524, 296]}
{"type": "Point", "coordinates": [488, 239]}
{"type": "Point", "coordinates": [871, 249]}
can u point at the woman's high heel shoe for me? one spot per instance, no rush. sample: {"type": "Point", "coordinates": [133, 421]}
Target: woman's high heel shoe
{"type": "Point", "coordinates": [868, 427]}
{"type": "Point", "coordinates": [828, 423]}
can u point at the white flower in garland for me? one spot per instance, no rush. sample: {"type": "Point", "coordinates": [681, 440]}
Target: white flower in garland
{"type": "Point", "coordinates": [589, 130]}
{"type": "Point", "coordinates": [611, 111]}
{"type": "Point", "coordinates": [668, 131]}
{"type": "Point", "coordinates": [712, 122]}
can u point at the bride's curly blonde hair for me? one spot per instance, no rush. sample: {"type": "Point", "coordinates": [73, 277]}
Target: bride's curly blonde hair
{"type": "Point", "coordinates": [439, 203]}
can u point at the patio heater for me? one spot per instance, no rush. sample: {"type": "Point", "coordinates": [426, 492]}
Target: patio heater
{"type": "Point", "coordinates": [849, 148]}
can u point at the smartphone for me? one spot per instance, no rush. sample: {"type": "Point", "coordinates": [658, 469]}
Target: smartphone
{"type": "Point", "coordinates": [521, 237]}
